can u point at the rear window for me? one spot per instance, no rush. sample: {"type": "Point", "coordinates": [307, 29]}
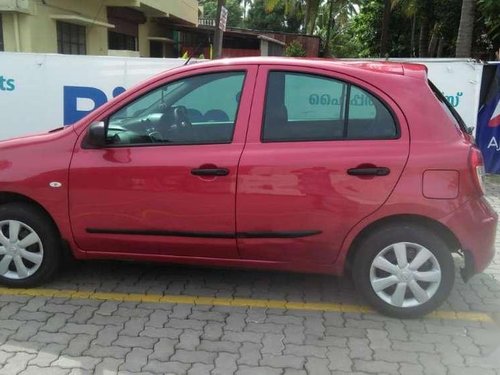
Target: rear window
{"type": "Point", "coordinates": [448, 108]}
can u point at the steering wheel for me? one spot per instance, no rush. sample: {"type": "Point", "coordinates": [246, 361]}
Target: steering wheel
{"type": "Point", "coordinates": [181, 118]}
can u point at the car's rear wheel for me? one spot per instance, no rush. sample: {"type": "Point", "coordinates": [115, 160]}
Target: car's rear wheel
{"type": "Point", "coordinates": [404, 271]}
{"type": "Point", "coordinates": [29, 246]}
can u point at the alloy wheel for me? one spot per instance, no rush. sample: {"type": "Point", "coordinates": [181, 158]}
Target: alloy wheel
{"type": "Point", "coordinates": [21, 250]}
{"type": "Point", "coordinates": [405, 274]}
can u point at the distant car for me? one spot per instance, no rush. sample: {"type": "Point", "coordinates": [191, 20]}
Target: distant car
{"type": "Point", "coordinates": [272, 163]}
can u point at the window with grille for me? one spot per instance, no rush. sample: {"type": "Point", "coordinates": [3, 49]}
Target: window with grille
{"type": "Point", "coordinates": [71, 39]}
{"type": "Point", "coordinates": [119, 41]}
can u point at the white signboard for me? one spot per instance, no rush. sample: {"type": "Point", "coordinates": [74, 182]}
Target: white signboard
{"type": "Point", "coordinates": [223, 18]}
{"type": "Point", "coordinates": [39, 92]}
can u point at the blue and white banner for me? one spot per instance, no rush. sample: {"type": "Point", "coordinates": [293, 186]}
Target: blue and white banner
{"type": "Point", "coordinates": [488, 126]}
{"type": "Point", "coordinates": [39, 92]}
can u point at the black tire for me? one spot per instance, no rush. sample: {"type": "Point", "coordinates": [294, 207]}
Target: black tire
{"type": "Point", "coordinates": [386, 236]}
{"type": "Point", "coordinates": [38, 221]}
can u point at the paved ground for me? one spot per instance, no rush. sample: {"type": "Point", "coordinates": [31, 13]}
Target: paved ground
{"type": "Point", "coordinates": [102, 334]}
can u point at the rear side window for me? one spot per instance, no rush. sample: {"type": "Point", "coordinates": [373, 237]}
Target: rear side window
{"type": "Point", "coordinates": [448, 108]}
{"type": "Point", "coordinates": [305, 107]}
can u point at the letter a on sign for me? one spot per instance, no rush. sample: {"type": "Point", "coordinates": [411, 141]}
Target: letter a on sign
{"type": "Point", "coordinates": [488, 126]}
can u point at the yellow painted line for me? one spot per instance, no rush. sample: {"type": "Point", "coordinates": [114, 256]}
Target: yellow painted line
{"type": "Point", "coordinates": [234, 302]}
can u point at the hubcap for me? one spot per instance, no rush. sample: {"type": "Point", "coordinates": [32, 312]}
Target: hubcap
{"type": "Point", "coordinates": [21, 250]}
{"type": "Point", "coordinates": [405, 274]}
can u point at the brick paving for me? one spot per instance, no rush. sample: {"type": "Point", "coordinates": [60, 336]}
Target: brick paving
{"type": "Point", "coordinates": [43, 335]}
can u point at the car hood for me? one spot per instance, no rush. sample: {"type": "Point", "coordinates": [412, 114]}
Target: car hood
{"type": "Point", "coordinates": [37, 138]}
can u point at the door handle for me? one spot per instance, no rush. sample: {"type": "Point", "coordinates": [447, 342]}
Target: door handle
{"type": "Point", "coordinates": [369, 171]}
{"type": "Point", "coordinates": [210, 171]}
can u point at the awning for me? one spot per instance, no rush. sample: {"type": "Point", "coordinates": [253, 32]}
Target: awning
{"type": "Point", "coordinates": [161, 39]}
{"type": "Point", "coordinates": [271, 40]}
{"type": "Point", "coordinates": [79, 20]}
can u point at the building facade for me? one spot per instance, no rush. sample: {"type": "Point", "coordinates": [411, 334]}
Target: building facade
{"type": "Point", "coordinates": [95, 27]}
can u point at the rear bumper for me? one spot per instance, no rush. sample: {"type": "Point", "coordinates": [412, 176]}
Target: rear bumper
{"type": "Point", "coordinates": [475, 226]}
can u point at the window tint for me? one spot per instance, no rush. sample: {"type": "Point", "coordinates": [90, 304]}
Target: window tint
{"type": "Point", "coordinates": [361, 105]}
{"type": "Point", "coordinates": [313, 98]}
{"type": "Point", "coordinates": [217, 100]}
{"type": "Point", "coordinates": [304, 107]}
{"type": "Point", "coordinates": [194, 110]}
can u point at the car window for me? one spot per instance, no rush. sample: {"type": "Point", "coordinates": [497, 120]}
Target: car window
{"type": "Point", "coordinates": [361, 105]}
{"type": "Point", "coordinates": [448, 108]}
{"type": "Point", "coordinates": [195, 110]}
{"type": "Point", "coordinates": [313, 98]}
{"type": "Point", "coordinates": [306, 107]}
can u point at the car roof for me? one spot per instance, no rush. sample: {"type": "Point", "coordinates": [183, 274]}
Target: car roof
{"type": "Point", "coordinates": [378, 66]}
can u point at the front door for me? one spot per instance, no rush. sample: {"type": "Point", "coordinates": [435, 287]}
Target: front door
{"type": "Point", "coordinates": [165, 183]}
{"type": "Point", "coordinates": [323, 152]}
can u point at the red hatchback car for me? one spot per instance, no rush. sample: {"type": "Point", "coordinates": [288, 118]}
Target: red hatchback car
{"type": "Point", "coordinates": [289, 164]}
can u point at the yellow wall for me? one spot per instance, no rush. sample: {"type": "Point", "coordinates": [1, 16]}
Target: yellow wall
{"type": "Point", "coordinates": [150, 28]}
{"type": "Point", "coordinates": [38, 32]}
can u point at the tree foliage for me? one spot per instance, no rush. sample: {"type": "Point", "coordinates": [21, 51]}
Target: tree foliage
{"type": "Point", "coordinates": [235, 11]}
{"type": "Point", "coordinates": [418, 28]}
{"type": "Point", "coordinates": [358, 28]}
{"type": "Point", "coordinates": [295, 49]}
{"type": "Point", "coordinates": [489, 14]}
{"type": "Point", "coordinates": [281, 15]}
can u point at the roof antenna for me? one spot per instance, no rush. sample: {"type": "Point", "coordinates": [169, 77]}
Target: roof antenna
{"type": "Point", "coordinates": [196, 51]}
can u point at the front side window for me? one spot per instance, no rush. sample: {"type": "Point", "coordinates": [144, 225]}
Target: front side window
{"type": "Point", "coordinates": [306, 107]}
{"type": "Point", "coordinates": [71, 39]}
{"type": "Point", "coordinates": [194, 110]}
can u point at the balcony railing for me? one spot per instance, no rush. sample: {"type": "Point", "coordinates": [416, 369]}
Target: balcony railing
{"type": "Point", "coordinates": [206, 22]}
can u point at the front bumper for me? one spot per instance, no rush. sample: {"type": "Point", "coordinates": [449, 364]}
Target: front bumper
{"type": "Point", "coordinates": [475, 226]}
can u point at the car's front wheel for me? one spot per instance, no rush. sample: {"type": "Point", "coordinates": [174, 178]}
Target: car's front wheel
{"type": "Point", "coordinates": [404, 271]}
{"type": "Point", "coordinates": [29, 245]}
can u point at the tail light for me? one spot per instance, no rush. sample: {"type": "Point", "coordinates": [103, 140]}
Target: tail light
{"type": "Point", "coordinates": [477, 169]}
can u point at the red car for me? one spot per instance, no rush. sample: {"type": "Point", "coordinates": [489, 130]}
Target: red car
{"type": "Point", "coordinates": [289, 164]}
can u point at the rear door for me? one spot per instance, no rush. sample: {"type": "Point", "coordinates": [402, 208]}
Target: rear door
{"type": "Point", "coordinates": [323, 151]}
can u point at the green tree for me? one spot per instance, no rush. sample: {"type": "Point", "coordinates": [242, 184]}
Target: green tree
{"type": "Point", "coordinates": [489, 11]}
{"type": "Point", "coordinates": [235, 11]}
{"type": "Point", "coordinates": [259, 18]}
{"type": "Point", "coordinates": [333, 17]}
{"type": "Point", "coordinates": [282, 16]}
{"type": "Point", "coordinates": [365, 30]}
{"type": "Point", "coordinates": [487, 29]}
{"type": "Point", "coordinates": [309, 9]}
{"type": "Point", "coordinates": [295, 49]}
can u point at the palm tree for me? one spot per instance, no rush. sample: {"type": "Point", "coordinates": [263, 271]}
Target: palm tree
{"type": "Point", "coordinates": [384, 34]}
{"type": "Point", "coordinates": [310, 14]}
{"type": "Point", "coordinates": [464, 37]}
{"type": "Point", "coordinates": [336, 14]}
{"type": "Point", "coordinates": [419, 11]}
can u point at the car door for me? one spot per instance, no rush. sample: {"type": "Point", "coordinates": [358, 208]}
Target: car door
{"type": "Point", "coordinates": [165, 182]}
{"type": "Point", "coordinates": [323, 151]}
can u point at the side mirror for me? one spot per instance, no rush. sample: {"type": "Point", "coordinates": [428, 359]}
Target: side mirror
{"type": "Point", "coordinates": [96, 134]}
